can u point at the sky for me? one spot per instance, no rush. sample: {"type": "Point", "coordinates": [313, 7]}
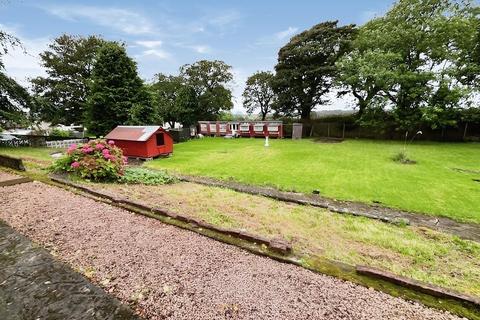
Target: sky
{"type": "Point", "coordinates": [161, 36]}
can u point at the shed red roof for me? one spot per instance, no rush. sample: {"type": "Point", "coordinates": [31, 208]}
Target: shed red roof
{"type": "Point", "coordinates": [132, 133]}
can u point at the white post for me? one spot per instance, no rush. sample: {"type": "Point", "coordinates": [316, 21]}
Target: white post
{"type": "Point", "coordinates": [266, 141]}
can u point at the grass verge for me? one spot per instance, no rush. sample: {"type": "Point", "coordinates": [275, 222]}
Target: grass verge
{"type": "Point", "coordinates": [418, 253]}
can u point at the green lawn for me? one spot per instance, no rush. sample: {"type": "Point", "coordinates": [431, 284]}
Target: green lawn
{"type": "Point", "coordinates": [353, 170]}
{"type": "Point", "coordinates": [42, 154]}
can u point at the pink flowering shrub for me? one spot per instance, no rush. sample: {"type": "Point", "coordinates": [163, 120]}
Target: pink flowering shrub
{"type": "Point", "coordinates": [96, 160]}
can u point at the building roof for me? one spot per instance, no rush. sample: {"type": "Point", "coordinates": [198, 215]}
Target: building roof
{"type": "Point", "coordinates": [132, 133]}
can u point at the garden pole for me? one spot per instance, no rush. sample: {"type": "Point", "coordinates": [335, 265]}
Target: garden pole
{"type": "Point", "coordinates": [465, 131]}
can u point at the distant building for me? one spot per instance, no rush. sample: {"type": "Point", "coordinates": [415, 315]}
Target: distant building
{"type": "Point", "coordinates": [272, 129]}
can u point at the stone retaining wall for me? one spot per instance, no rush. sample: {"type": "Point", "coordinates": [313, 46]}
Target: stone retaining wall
{"type": "Point", "coordinates": [11, 162]}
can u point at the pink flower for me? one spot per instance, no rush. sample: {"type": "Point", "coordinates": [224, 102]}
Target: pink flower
{"type": "Point", "coordinates": [71, 148]}
{"type": "Point", "coordinates": [106, 154]}
{"type": "Point", "coordinates": [99, 146]}
{"type": "Point", "coordinates": [75, 165]}
{"type": "Point", "coordinates": [125, 160]}
{"type": "Point", "coordinates": [111, 142]}
{"type": "Point", "coordinates": [87, 149]}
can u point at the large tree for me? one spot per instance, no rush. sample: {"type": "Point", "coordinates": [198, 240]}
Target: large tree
{"type": "Point", "coordinates": [117, 95]}
{"type": "Point", "coordinates": [258, 93]}
{"type": "Point", "coordinates": [414, 58]}
{"type": "Point", "coordinates": [209, 80]}
{"type": "Point", "coordinates": [175, 101]}
{"type": "Point", "coordinates": [14, 99]}
{"type": "Point", "coordinates": [68, 62]}
{"type": "Point", "coordinates": [306, 67]}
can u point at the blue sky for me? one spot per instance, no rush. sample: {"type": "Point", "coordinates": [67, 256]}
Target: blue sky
{"type": "Point", "coordinates": [163, 35]}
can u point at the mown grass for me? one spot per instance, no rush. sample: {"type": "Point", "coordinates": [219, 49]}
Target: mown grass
{"type": "Point", "coordinates": [359, 170]}
{"type": "Point", "coordinates": [30, 153]}
{"type": "Point", "coordinates": [414, 252]}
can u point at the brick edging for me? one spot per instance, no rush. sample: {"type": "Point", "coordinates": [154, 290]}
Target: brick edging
{"type": "Point", "coordinates": [278, 245]}
{"type": "Point", "coordinates": [12, 182]}
{"type": "Point", "coordinates": [429, 289]}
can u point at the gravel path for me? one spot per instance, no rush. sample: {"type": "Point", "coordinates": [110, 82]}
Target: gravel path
{"type": "Point", "coordinates": [172, 273]}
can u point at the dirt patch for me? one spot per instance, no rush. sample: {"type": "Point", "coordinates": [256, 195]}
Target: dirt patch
{"type": "Point", "coordinates": [171, 273]}
{"type": "Point", "coordinates": [328, 140]}
{"type": "Point", "coordinates": [466, 171]}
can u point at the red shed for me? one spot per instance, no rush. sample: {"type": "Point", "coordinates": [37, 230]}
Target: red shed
{"type": "Point", "coordinates": [142, 141]}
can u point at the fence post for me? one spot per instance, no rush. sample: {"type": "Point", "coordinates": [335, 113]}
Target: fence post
{"type": "Point", "coordinates": [465, 131]}
{"type": "Point", "coordinates": [343, 131]}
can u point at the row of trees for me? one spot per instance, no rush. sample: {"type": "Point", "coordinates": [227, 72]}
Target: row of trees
{"type": "Point", "coordinates": [95, 83]}
{"type": "Point", "coordinates": [419, 63]}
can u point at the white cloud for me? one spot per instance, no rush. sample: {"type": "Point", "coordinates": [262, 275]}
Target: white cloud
{"type": "Point", "coordinates": [276, 38]}
{"type": "Point", "coordinates": [239, 78]}
{"type": "Point", "coordinates": [150, 43]}
{"type": "Point", "coordinates": [286, 33]}
{"type": "Point", "coordinates": [224, 19]}
{"type": "Point", "coordinates": [123, 20]}
{"type": "Point", "coordinates": [202, 49]}
{"type": "Point", "coordinates": [153, 49]}
{"type": "Point", "coordinates": [23, 64]}
{"type": "Point", "coordinates": [158, 53]}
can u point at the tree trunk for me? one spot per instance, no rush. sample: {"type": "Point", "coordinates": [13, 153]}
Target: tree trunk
{"type": "Point", "coordinates": [362, 105]}
{"type": "Point", "coordinates": [305, 114]}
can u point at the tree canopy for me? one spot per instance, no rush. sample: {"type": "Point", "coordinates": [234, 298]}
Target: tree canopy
{"type": "Point", "coordinates": [117, 95]}
{"type": "Point", "coordinates": [15, 100]}
{"type": "Point", "coordinates": [415, 60]}
{"type": "Point", "coordinates": [306, 67]}
{"type": "Point", "coordinates": [258, 93]}
{"type": "Point", "coordinates": [68, 63]}
{"type": "Point", "coordinates": [209, 80]}
{"type": "Point", "coordinates": [175, 101]}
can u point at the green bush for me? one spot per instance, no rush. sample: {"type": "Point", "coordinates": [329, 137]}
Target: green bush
{"type": "Point", "coordinates": [96, 160]}
{"type": "Point", "coordinates": [59, 133]}
{"type": "Point", "coordinates": [402, 157]}
{"type": "Point", "coordinates": [145, 176]}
